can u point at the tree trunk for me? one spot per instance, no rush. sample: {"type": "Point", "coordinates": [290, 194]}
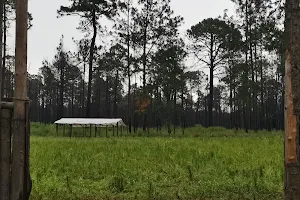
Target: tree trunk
{"type": "Point", "coordinates": [145, 42]}
{"type": "Point", "coordinates": [292, 100]}
{"type": "Point", "coordinates": [20, 150]}
{"type": "Point", "coordinates": [92, 49]}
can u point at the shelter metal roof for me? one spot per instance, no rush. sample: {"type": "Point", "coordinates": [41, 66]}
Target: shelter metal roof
{"type": "Point", "coordinates": [91, 121]}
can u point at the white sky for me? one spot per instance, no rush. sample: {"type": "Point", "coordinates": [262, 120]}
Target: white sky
{"type": "Point", "coordinates": [43, 37]}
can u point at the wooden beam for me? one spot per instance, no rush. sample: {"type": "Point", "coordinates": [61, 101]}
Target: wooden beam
{"type": "Point", "coordinates": [20, 98]}
{"type": "Point", "coordinates": [7, 105]}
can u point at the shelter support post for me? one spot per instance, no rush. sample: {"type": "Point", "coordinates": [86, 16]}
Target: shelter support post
{"type": "Point", "coordinates": [106, 130]}
{"type": "Point", "coordinates": [95, 130]}
{"type": "Point", "coordinates": [71, 130]}
{"type": "Point", "coordinates": [90, 130]}
{"type": "Point", "coordinates": [117, 129]}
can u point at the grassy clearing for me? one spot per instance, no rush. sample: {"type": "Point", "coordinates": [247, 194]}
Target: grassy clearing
{"type": "Point", "coordinates": [211, 164]}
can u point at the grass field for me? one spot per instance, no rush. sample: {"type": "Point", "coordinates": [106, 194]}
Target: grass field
{"type": "Point", "coordinates": [204, 164]}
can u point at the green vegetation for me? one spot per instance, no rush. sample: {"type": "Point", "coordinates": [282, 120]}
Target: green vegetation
{"type": "Point", "coordinates": [210, 163]}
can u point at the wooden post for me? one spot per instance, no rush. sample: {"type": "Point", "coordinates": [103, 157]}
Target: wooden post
{"type": "Point", "coordinates": [27, 182]}
{"type": "Point", "coordinates": [5, 154]}
{"type": "Point", "coordinates": [19, 149]}
{"type": "Point", "coordinates": [292, 100]}
{"type": "Point", "coordinates": [57, 130]}
{"type": "Point", "coordinates": [95, 130]}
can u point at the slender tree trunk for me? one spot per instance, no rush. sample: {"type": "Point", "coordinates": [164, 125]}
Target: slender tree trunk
{"type": "Point", "coordinates": [182, 111]}
{"type": "Point", "coordinates": [2, 4]}
{"type": "Point", "coordinates": [61, 91]}
{"type": "Point", "coordinates": [83, 89]}
{"type": "Point", "coordinates": [252, 87]}
{"type": "Point", "coordinates": [115, 96]}
{"type": "Point", "coordinates": [4, 53]}
{"type": "Point", "coordinates": [211, 83]}
{"type": "Point", "coordinates": [92, 49]}
{"type": "Point", "coordinates": [99, 102]}
{"type": "Point", "coordinates": [262, 93]}
{"type": "Point", "coordinates": [246, 107]}
{"type": "Point", "coordinates": [72, 101]}
{"type": "Point", "coordinates": [107, 97]}
{"type": "Point", "coordinates": [230, 96]}
{"type": "Point", "coordinates": [128, 70]}
{"type": "Point", "coordinates": [174, 110]}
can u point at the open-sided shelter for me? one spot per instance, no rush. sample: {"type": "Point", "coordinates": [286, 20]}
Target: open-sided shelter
{"type": "Point", "coordinates": [90, 122]}
{"type": "Point", "coordinates": [99, 122]}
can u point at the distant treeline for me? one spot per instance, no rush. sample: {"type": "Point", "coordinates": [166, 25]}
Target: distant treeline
{"type": "Point", "coordinates": [137, 70]}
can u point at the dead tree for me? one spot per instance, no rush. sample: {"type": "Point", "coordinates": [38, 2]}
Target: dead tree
{"type": "Point", "coordinates": [292, 100]}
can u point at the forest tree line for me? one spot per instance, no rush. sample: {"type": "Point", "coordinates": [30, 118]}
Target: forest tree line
{"type": "Point", "coordinates": [138, 69]}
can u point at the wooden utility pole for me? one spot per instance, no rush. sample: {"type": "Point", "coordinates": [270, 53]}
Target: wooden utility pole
{"type": "Point", "coordinates": [292, 100]}
{"type": "Point", "coordinates": [20, 182]}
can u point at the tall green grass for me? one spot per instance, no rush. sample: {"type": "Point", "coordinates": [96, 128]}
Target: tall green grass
{"type": "Point", "coordinates": [210, 163]}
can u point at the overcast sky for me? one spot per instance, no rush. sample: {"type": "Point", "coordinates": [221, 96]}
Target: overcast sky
{"type": "Point", "coordinates": [43, 37]}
